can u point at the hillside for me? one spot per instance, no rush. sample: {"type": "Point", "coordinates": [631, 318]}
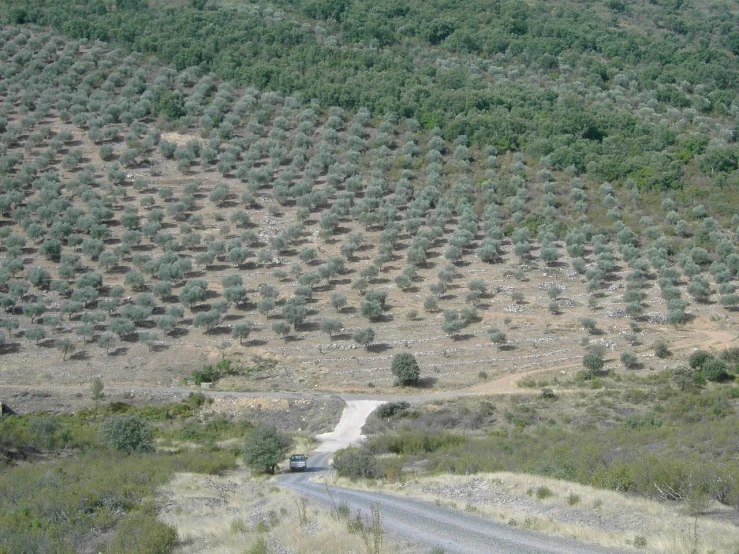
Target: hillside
{"type": "Point", "coordinates": [245, 216]}
{"type": "Point", "coordinates": [539, 202]}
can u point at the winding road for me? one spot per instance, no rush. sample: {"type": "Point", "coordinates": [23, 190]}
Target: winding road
{"type": "Point", "coordinates": [419, 521]}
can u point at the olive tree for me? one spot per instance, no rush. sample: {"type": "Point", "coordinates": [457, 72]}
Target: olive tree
{"type": "Point", "coordinates": [364, 336]}
{"type": "Point", "coordinates": [331, 326]}
{"type": "Point", "coordinates": [405, 369]}
{"type": "Point", "coordinates": [242, 331]}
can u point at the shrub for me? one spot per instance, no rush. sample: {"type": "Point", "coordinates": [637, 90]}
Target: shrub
{"type": "Point", "coordinates": [126, 433]}
{"type": "Point", "coordinates": [698, 358]}
{"type": "Point", "coordinates": [730, 355]}
{"type": "Point", "coordinates": [392, 408]}
{"type": "Point", "coordinates": [593, 361]}
{"type": "Point", "coordinates": [660, 349]}
{"type": "Point", "coordinates": [497, 337]}
{"type": "Point", "coordinates": [543, 492]}
{"type": "Point", "coordinates": [364, 336]}
{"type": "Point", "coordinates": [265, 447]}
{"type": "Point", "coordinates": [142, 532]}
{"type": "Point", "coordinates": [405, 369]}
{"type": "Point", "coordinates": [715, 370]}
{"type": "Point", "coordinates": [355, 463]}
{"type": "Point", "coordinates": [259, 546]}
{"type": "Point", "coordinates": [589, 324]}
{"type": "Point", "coordinates": [628, 359]}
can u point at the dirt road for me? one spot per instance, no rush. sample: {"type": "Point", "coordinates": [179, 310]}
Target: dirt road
{"type": "Point", "coordinates": [349, 429]}
{"type": "Point", "coordinates": [422, 522]}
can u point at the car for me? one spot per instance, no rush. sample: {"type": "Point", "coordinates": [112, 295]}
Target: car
{"type": "Point", "coordinates": [298, 462]}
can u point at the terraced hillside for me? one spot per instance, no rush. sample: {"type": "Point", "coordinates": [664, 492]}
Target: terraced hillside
{"type": "Point", "coordinates": [154, 220]}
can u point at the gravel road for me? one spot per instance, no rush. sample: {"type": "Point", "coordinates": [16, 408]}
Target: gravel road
{"type": "Point", "coordinates": [420, 521]}
{"type": "Point", "coordinates": [433, 525]}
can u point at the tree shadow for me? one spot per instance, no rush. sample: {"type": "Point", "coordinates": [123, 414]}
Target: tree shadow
{"type": "Point", "coordinates": [220, 330]}
{"type": "Point", "coordinates": [466, 336]}
{"type": "Point", "coordinates": [120, 351]}
{"type": "Point", "coordinates": [384, 318]}
{"type": "Point", "coordinates": [159, 347]}
{"type": "Point", "coordinates": [378, 347]}
{"type": "Point", "coordinates": [10, 348]}
{"type": "Point", "coordinates": [80, 355]}
{"type": "Point", "coordinates": [426, 382]}
{"type": "Point", "coordinates": [309, 326]}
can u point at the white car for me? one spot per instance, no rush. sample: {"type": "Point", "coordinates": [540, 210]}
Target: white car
{"type": "Point", "coordinates": [298, 462]}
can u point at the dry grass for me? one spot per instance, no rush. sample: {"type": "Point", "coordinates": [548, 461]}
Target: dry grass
{"type": "Point", "coordinates": [229, 514]}
{"type": "Point", "coordinates": [585, 513]}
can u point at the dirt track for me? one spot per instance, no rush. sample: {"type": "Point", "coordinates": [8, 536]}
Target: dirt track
{"type": "Point", "coordinates": [422, 522]}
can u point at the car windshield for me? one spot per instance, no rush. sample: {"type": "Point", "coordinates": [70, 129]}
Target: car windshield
{"type": "Point", "coordinates": [298, 458]}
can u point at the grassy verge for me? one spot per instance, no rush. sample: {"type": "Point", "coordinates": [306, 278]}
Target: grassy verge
{"type": "Point", "coordinates": [569, 509]}
{"type": "Point", "coordinates": [236, 513]}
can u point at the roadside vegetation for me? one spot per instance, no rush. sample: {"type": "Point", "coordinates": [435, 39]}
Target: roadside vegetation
{"type": "Point", "coordinates": [665, 436]}
{"type": "Point", "coordinates": [83, 481]}
{"type": "Point", "coordinates": [120, 479]}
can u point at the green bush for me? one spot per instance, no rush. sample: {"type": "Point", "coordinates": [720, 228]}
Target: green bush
{"type": "Point", "coordinates": [730, 355]}
{"type": "Point", "coordinates": [660, 349]}
{"type": "Point", "coordinates": [698, 358]}
{"type": "Point", "coordinates": [715, 370]}
{"type": "Point", "coordinates": [211, 373]}
{"type": "Point", "coordinates": [265, 447]}
{"type": "Point", "coordinates": [126, 433]}
{"type": "Point", "coordinates": [63, 500]}
{"type": "Point", "coordinates": [355, 463]}
{"type": "Point", "coordinates": [259, 546]}
{"type": "Point", "coordinates": [405, 369]}
{"type": "Point", "coordinates": [392, 408]}
{"type": "Point", "coordinates": [593, 362]}
{"type": "Point", "coordinates": [416, 441]}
